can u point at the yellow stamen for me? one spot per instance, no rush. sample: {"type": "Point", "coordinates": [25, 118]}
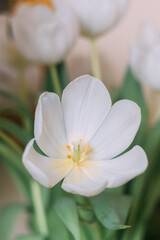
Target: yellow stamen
{"type": "Point", "coordinates": [80, 140]}
{"type": "Point", "coordinates": [68, 148]}
{"type": "Point", "coordinates": [51, 186]}
{"type": "Point", "coordinates": [48, 3]}
{"type": "Point", "coordinates": [77, 164]}
{"type": "Point", "coordinates": [85, 157]}
{"type": "Point", "coordinates": [69, 156]}
{"type": "Point", "coordinates": [87, 148]}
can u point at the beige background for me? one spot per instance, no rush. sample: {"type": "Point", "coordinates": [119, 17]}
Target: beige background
{"type": "Point", "coordinates": [113, 50]}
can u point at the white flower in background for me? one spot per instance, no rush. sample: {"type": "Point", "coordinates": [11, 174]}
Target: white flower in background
{"type": "Point", "coordinates": [44, 31]}
{"type": "Point", "coordinates": [98, 16]}
{"type": "Point", "coordinates": [82, 139]}
{"type": "Point", "coordinates": [9, 61]}
{"type": "Point", "coordinates": [145, 57]}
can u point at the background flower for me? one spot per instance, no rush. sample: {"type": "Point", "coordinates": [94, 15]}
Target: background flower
{"type": "Point", "coordinates": [43, 34]}
{"type": "Point", "coordinates": [98, 16]}
{"type": "Point", "coordinates": [11, 62]}
{"type": "Point", "coordinates": [145, 57]}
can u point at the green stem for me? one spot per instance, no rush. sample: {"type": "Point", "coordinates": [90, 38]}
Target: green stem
{"type": "Point", "coordinates": [39, 209]}
{"type": "Point", "coordinates": [10, 142]}
{"type": "Point", "coordinates": [95, 59]}
{"type": "Point", "coordinates": [55, 80]}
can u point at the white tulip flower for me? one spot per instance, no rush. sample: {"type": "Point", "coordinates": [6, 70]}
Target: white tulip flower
{"type": "Point", "coordinates": [145, 57]}
{"type": "Point", "coordinates": [82, 139]}
{"type": "Point", "coordinates": [44, 31]}
{"type": "Point", "coordinates": [98, 16]}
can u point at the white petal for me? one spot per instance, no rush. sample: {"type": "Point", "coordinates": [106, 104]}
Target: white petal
{"type": "Point", "coordinates": [85, 103]}
{"type": "Point", "coordinates": [117, 131]}
{"type": "Point", "coordinates": [49, 126]}
{"type": "Point", "coordinates": [46, 171]}
{"type": "Point", "coordinates": [94, 176]}
{"type": "Point", "coordinates": [88, 180]}
{"type": "Point", "coordinates": [122, 169]}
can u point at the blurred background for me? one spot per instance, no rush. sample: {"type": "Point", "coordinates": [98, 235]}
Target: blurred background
{"type": "Point", "coordinates": [113, 51]}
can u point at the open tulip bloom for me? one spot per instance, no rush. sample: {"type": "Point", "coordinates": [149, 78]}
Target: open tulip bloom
{"type": "Point", "coordinates": [83, 138]}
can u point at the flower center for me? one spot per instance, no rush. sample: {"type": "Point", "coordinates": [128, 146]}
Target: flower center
{"type": "Point", "coordinates": [47, 3]}
{"type": "Point", "coordinates": [77, 153]}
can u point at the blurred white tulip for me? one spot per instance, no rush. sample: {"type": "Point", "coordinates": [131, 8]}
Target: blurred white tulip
{"type": "Point", "coordinates": [42, 33]}
{"type": "Point", "coordinates": [98, 16]}
{"type": "Point", "coordinates": [145, 57]}
{"type": "Point", "coordinates": [10, 61]}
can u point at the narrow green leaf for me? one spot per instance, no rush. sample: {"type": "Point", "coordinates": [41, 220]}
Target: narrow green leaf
{"type": "Point", "coordinates": [86, 214]}
{"type": "Point", "coordinates": [20, 180]}
{"type": "Point", "coordinates": [57, 228]}
{"type": "Point", "coordinates": [111, 209]}
{"type": "Point", "coordinates": [29, 237]}
{"type": "Point", "coordinates": [15, 130]}
{"type": "Point", "coordinates": [63, 75]}
{"type": "Point", "coordinates": [8, 217]}
{"type": "Point", "coordinates": [25, 112]}
{"type": "Point", "coordinates": [48, 84]}
{"type": "Point", "coordinates": [13, 163]}
{"type": "Point", "coordinates": [67, 211]}
{"type": "Point", "coordinates": [91, 231]}
{"type": "Point", "coordinates": [11, 156]}
{"type": "Point", "coordinates": [132, 90]}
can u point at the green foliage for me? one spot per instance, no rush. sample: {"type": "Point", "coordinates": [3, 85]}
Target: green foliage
{"type": "Point", "coordinates": [132, 90]}
{"type": "Point", "coordinates": [67, 211]}
{"type": "Point", "coordinates": [62, 75]}
{"type": "Point", "coordinates": [29, 237]}
{"type": "Point", "coordinates": [86, 214]}
{"type": "Point", "coordinates": [111, 209]}
{"type": "Point", "coordinates": [58, 230]}
{"type": "Point", "coordinates": [21, 108]}
{"type": "Point", "coordinates": [8, 217]}
{"type": "Point", "coordinates": [15, 130]}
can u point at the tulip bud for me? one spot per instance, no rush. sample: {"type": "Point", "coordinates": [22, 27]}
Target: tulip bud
{"type": "Point", "coordinates": [98, 16]}
{"type": "Point", "coordinates": [43, 30]}
{"type": "Point", "coordinates": [145, 57]}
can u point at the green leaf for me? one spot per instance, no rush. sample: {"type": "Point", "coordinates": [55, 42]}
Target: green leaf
{"type": "Point", "coordinates": [63, 78]}
{"type": "Point", "coordinates": [13, 163]}
{"type": "Point", "coordinates": [63, 75]}
{"type": "Point", "coordinates": [29, 237]}
{"type": "Point", "coordinates": [86, 214]}
{"type": "Point", "coordinates": [20, 180]}
{"type": "Point", "coordinates": [8, 217]}
{"type": "Point", "coordinates": [57, 228]}
{"type": "Point", "coordinates": [48, 84]}
{"type": "Point", "coordinates": [11, 156]}
{"type": "Point", "coordinates": [15, 130]}
{"type": "Point", "coordinates": [111, 209]}
{"type": "Point", "coordinates": [67, 211]}
{"type": "Point", "coordinates": [91, 231]}
{"type": "Point", "coordinates": [22, 108]}
{"type": "Point", "coordinates": [132, 90]}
